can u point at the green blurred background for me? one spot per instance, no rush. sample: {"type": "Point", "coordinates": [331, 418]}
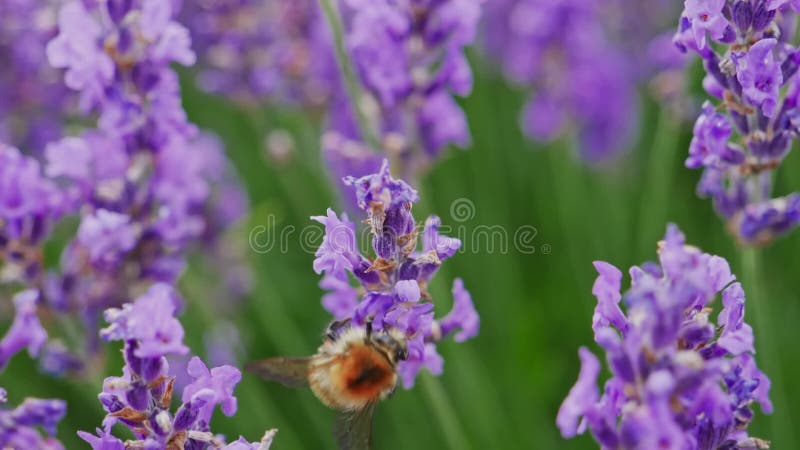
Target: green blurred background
{"type": "Point", "coordinates": [502, 389]}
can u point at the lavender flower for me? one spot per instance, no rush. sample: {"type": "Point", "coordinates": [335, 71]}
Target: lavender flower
{"type": "Point", "coordinates": [29, 205]}
{"type": "Point", "coordinates": [678, 380]}
{"type": "Point", "coordinates": [409, 58]}
{"type": "Point", "coordinates": [741, 142]}
{"type": "Point", "coordinates": [18, 426]}
{"type": "Point", "coordinates": [581, 77]}
{"type": "Point", "coordinates": [145, 184]}
{"type": "Point", "coordinates": [26, 331]}
{"type": "Point", "coordinates": [392, 290]}
{"type": "Point", "coordinates": [577, 74]}
{"type": "Point", "coordinates": [33, 101]}
{"type": "Point", "coordinates": [706, 19]}
{"type": "Point", "coordinates": [140, 399]}
{"type": "Point", "coordinates": [250, 50]}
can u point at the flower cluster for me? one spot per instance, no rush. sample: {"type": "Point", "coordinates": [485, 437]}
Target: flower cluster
{"type": "Point", "coordinates": [30, 203]}
{"type": "Point", "coordinates": [145, 183]}
{"type": "Point", "coordinates": [749, 57]}
{"type": "Point", "coordinates": [18, 426]}
{"type": "Point", "coordinates": [141, 398]}
{"type": "Point", "coordinates": [579, 75]}
{"type": "Point", "coordinates": [34, 100]}
{"type": "Point", "coordinates": [252, 50]}
{"type": "Point", "coordinates": [582, 78]}
{"type": "Point", "coordinates": [679, 381]}
{"type": "Point", "coordinates": [409, 59]}
{"type": "Point", "coordinates": [392, 291]}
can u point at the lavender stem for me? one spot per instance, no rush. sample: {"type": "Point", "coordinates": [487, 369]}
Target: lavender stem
{"type": "Point", "coordinates": [654, 200]}
{"type": "Point", "coordinates": [780, 422]}
{"type": "Point", "coordinates": [352, 86]}
{"type": "Point", "coordinates": [442, 407]}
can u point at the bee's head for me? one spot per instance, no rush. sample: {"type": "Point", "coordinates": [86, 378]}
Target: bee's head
{"type": "Point", "coordinates": [335, 329]}
{"type": "Point", "coordinates": [391, 343]}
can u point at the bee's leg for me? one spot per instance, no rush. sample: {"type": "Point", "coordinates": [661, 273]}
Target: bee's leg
{"type": "Point", "coordinates": [369, 327]}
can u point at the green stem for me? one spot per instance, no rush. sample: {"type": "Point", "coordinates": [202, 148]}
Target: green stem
{"type": "Point", "coordinates": [569, 192]}
{"type": "Point", "coordinates": [351, 84]}
{"type": "Point", "coordinates": [442, 407]}
{"type": "Point", "coordinates": [655, 194]}
{"type": "Point", "coordinates": [781, 421]}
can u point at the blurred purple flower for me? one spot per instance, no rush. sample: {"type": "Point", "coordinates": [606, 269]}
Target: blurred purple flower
{"type": "Point", "coordinates": [582, 80]}
{"type": "Point", "coordinates": [251, 51]}
{"type": "Point", "coordinates": [149, 321]}
{"type": "Point", "coordinates": [29, 202]}
{"type": "Point", "coordinates": [409, 58]}
{"type": "Point", "coordinates": [18, 426]}
{"type": "Point", "coordinates": [107, 235]}
{"type": "Point", "coordinates": [26, 331]}
{"type": "Point", "coordinates": [33, 101]}
{"type": "Point", "coordinates": [144, 183]}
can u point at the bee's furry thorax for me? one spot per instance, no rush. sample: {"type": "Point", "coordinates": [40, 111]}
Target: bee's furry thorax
{"type": "Point", "coordinates": [355, 368]}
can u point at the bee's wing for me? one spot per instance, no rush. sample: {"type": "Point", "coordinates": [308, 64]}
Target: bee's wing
{"type": "Point", "coordinates": [353, 429]}
{"type": "Point", "coordinates": [292, 372]}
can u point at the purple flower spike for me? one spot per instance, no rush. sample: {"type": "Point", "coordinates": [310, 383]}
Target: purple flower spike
{"type": "Point", "coordinates": [252, 51]}
{"type": "Point", "coordinates": [742, 140]}
{"type": "Point", "coordinates": [575, 62]}
{"type": "Point", "coordinates": [392, 291]}
{"type": "Point", "coordinates": [141, 398]}
{"type": "Point", "coordinates": [675, 382]}
{"type": "Point", "coordinates": [409, 60]}
{"type": "Point", "coordinates": [143, 183]}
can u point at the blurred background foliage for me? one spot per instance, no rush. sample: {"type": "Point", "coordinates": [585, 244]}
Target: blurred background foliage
{"type": "Point", "coordinates": [502, 389]}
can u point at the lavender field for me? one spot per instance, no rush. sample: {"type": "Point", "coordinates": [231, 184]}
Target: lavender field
{"type": "Point", "coordinates": [470, 224]}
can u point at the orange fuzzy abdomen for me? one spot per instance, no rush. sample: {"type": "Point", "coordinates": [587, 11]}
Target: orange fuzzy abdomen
{"type": "Point", "coordinates": [364, 374]}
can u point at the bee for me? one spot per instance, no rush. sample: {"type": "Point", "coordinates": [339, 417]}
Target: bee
{"type": "Point", "coordinates": [353, 370]}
